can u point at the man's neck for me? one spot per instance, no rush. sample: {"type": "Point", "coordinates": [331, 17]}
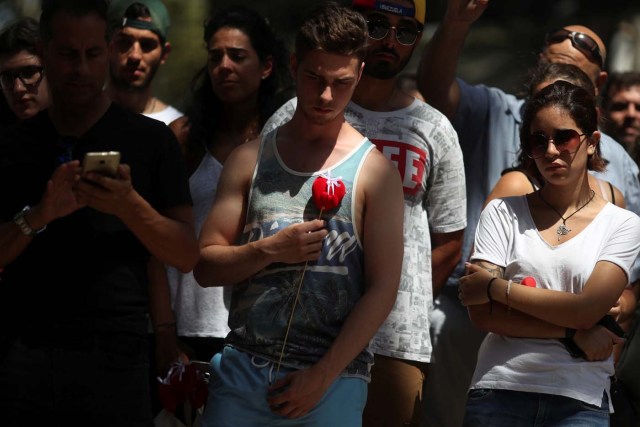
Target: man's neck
{"type": "Point", "coordinates": [379, 95]}
{"type": "Point", "coordinates": [77, 120]}
{"type": "Point", "coordinates": [141, 102]}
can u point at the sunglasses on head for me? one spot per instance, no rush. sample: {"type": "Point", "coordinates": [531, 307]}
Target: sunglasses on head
{"type": "Point", "coordinates": [379, 27]}
{"type": "Point", "coordinates": [579, 40]}
{"type": "Point", "coordinates": [29, 76]}
{"type": "Point", "coordinates": [565, 140]}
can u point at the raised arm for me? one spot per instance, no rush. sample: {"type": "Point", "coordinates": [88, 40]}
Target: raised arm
{"type": "Point", "coordinates": [383, 248]}
{"type": "Point", "coordinates": [437, 68]}
{"type": "Point", "coordinates": [222, 261]}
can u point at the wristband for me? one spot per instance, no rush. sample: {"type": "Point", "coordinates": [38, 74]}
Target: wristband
{"type": "Point", "coordinates": [23, 225]}
{"type": "Point", "coordinates": [509, 283]}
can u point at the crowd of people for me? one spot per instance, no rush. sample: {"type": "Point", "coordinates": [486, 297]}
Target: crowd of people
{"type": "Point", "coordinates": [340, 243]}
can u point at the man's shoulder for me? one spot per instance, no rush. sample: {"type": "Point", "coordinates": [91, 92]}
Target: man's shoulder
{"type": "Point", "coordinates": [129, 122]}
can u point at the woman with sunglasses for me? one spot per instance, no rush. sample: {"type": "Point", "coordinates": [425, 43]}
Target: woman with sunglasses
{"type": "Point", "coordinates": [578, 249]}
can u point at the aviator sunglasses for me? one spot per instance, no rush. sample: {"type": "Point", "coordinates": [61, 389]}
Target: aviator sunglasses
{"type": "Point", "coordinates": [379, 27]}
{"type": "Point", "coordinates": [565, 140]}
{"type": "Point", "coordinates": [578, 40]}
{"type": "Point", "coordinates": [29, 76]}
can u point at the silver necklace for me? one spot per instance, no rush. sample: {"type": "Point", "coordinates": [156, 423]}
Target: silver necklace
{"type": "Point", "coordinates": [562, 229]}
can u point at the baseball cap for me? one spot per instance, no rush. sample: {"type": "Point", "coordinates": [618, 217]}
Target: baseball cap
{"type": "Point", "coordinates": [418, 11]}
{"type": "Point", "coordinates": [159, 23]}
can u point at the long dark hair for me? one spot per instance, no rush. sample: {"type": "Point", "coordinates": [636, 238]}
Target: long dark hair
{"type": "Point", "coordinates": [204, 107]}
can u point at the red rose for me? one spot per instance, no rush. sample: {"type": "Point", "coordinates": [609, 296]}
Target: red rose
{"type": "Point", "coordinates": [327, 192]}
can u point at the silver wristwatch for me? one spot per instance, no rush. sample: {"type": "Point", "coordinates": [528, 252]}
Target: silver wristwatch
{"type": "Point", "coordinates": [23, 225]}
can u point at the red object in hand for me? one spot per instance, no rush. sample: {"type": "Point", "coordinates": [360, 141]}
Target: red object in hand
{"type": "Point", "coordinates": [529, 281]}
{"type": "Point", "coordinates": [328, 192]}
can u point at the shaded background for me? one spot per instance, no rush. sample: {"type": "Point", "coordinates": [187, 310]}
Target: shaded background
{"type": "Point", "coordinates": [501, 47]}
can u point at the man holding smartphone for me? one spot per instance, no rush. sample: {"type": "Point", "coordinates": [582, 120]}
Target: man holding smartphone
{"type": "Point", "coordinates": [75, 254]}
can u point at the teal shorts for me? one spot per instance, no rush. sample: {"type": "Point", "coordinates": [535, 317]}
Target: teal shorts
{"type": "Point", "coordinates": [238, 395]}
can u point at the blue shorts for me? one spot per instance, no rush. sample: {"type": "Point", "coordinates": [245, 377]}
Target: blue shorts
{"type": "Point", "coordinates": [238, 395]}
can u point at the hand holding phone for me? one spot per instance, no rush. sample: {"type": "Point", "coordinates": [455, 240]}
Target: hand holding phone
{"type": "Point", "coordinates": [104, 162]}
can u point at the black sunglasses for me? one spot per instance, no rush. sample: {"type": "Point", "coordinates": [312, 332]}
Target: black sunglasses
{"type": "Point", "coordinates": [566, 141]}
{"type": "Point", "coordinates": [578, 40]}
{"type": "Point", "coordinates": [379, 27]}
{"type": "Point", "coordinates": [29, 76]}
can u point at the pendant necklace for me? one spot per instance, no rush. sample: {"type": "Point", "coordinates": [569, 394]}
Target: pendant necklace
{"type": "Point", "coordinates": [562, 229]}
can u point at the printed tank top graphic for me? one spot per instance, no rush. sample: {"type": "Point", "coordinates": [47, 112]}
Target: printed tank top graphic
{"type": "Point", "coordinates": [261, 306]}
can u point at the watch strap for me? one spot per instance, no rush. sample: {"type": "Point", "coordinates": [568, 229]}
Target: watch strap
{"type": "Point", "coordinates": [20, 220]}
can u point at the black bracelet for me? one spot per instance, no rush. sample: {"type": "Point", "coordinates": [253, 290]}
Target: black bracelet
{"type": "Point", "coordinates": [489, 294]}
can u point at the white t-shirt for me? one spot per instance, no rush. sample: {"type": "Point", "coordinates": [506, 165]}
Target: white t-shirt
{"type": "Point", "coordinates": [167, 115]}
{"type": "Point", "coordinates": [507, 237]}
{"type": "Point", "coordinates": [200, 312]}
{"type": "Point", "coordinates": [422, 144]}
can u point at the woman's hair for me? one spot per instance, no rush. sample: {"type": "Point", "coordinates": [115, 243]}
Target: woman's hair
{"type": "Point", "coordinates": [204, 107]}
{"type": "Point", "coordinates": [19, 36]}
{"type": "Point", "coordinates": [22, 35]}
{"type": "Point", "coordinates": [332, 28]}
{"type": "Point", "coordinates": [576, 101]}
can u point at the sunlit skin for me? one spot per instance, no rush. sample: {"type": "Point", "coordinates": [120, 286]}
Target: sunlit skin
{"type": "Point", "coordinates": [76, 60]}
{"type": "Point", "coordinates": [135, 56]}
{"type": "Point", "coordinates": [566, 53]}
{"type": "Point", "coordinates": [24, 101]}
{"type": "Point", "coordinates": [234, 67]}
{"type": "Point", "coordinates": [325, 84]}
{"type": "Point", "coordinates": [623, 116]}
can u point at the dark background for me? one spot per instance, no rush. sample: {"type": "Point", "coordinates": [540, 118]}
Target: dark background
{"type": "Point", "coordinates": [501, 47]}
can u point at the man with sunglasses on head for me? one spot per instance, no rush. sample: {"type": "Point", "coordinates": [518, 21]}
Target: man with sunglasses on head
{"type": "Point", "coordinates": [21, 74]}
{"type": "Point", "coordinates": [422, 144]}
{"type": "Point", "coordinates": [488, 121]}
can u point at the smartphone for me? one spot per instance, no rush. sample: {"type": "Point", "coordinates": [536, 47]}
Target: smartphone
{"type": "Point", "coordinates": [105, 163]}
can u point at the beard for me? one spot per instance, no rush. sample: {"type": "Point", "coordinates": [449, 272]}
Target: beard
{"type": "Point", "coordinates": [133, 86]}
{"type": "Point", "coordinates": [385, 70]}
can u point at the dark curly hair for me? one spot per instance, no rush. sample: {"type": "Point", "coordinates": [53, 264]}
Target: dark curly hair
{"type": "Point", "coordinates": [204, 107]}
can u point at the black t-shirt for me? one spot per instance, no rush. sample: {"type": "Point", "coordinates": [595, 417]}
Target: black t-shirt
{"type": "Point", "coordinates": [86, 272]}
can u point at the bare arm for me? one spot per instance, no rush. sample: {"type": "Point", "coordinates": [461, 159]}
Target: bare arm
{"type": "Point", "coordinates": [168, 235]}
{"type": "Point", "coordinates": [383, 263]}
{"type": "Point", "coordinates": [446, 251]}
{"type": "Point", "coordinates": [513, 183]}
{"type": "Point", "coordinates": [597, 342]}
{"type": "Point", "coordinates": [437, 68]}
{"type": "Point", "coordinates": [222, 262]}
{"type": "Point", "coordinates": [162, 317]}
{"type": "Point", "coordinates": [578, 311]}
{"type": "Point", "coordinates": [58, 201]}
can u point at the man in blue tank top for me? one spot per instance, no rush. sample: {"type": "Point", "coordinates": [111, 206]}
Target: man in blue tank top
{"type": "Point", "coordinates": [311, 285]}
